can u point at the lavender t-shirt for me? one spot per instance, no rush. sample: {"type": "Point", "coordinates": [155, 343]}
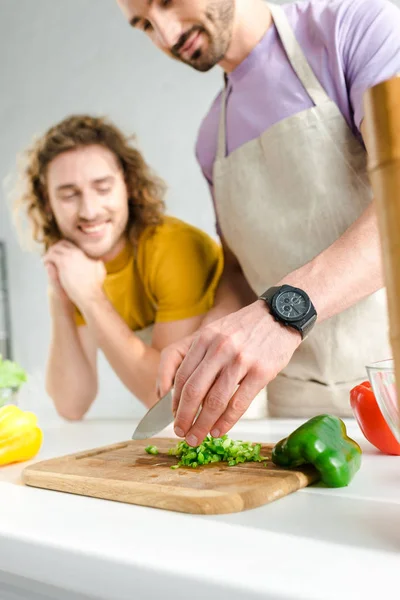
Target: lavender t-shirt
{"type": "Point", "coordinates": [350, 44]}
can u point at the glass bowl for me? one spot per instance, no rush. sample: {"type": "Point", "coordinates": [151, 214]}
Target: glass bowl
{"type": "Point", "coordinates": [382, 378]}
{"type": "Point", "coordinates": [8, 395]}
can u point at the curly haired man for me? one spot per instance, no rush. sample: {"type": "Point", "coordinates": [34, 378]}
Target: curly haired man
{"type": "Point", "coordinates": [124, 277]}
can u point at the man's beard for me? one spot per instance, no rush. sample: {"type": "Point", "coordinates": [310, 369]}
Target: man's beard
{"type": "Point", "coordinates": [220, 14]}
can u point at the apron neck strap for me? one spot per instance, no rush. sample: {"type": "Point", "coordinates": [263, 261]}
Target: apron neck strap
{"type": "Point", "coordinates": [221, 148]}
{"type": "Point", "coordinates": [296, 56]}
{"type": "Point", "coordinates": [299, 63]}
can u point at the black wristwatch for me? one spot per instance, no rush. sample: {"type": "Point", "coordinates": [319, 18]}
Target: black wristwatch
{"type": "Point", "coordinates": [292, 307]}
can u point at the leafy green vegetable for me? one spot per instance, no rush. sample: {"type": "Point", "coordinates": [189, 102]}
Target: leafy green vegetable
{"type": "Point", "coordinates": [11, 374]}
{"type": "Point", "coordinates": [151, 450]}
{"type": "Point", "coordinates": [213, 450]}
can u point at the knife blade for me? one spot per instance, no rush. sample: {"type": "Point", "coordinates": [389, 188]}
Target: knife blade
{"type": "Point", "coordinates": [157, 417]}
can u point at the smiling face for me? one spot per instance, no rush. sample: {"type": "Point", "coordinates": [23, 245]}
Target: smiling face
{"type": "Point", "coordinates": [196, 32]}
{"type": "Point", "coordinates": [89, 200]}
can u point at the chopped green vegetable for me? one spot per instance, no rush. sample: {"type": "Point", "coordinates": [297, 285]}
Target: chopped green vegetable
{"type": "Point", "coordinates": [151, 450]}
{"type": "Point", "coordinates": [11, 374]}
{"type": "Point", "coordinates": [213, 450]}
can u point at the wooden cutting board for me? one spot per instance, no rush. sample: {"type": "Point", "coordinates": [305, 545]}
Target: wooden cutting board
{"type": "Point", "coordinates": [124, 472]}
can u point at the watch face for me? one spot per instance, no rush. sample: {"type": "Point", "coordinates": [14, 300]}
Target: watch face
{"type": "Point", "coordinates": [292, 305]}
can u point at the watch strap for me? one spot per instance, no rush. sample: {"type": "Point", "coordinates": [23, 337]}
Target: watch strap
{"type": "Point", "coordinates": [270, 293]}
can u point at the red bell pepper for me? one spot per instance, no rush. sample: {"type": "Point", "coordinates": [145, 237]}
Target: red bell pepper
{"type": "Point", "coordinates": [371, 420]}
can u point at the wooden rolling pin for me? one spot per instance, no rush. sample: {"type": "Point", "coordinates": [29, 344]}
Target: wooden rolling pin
{"type": "Point", "coordinates": [382, 129]}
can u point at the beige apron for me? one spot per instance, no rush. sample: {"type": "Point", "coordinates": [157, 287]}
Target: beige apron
{"type": "Point", "coordinates": [283, 198]}
{"type": "Point", "coordinates": [145, 335]}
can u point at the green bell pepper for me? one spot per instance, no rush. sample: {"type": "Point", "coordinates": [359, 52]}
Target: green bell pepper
{"type": "Point", "coordinates": [323, 442]}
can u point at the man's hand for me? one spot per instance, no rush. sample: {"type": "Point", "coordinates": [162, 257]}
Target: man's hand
{"type": "Point", "coordinates": [57, 295]}
{"type": "Point", "coordinates": [223, 367]}
{"type": "Point", "coordinates": [80, 277]}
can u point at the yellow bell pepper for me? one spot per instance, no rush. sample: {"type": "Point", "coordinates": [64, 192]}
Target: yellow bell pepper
{"type": "Point", "coordinates": [20, 436]}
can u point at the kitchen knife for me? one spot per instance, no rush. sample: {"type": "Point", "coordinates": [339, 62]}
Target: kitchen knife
{"type": "Point", "coordinates": [159, 416]}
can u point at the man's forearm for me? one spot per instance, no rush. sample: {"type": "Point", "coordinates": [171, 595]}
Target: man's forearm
{"type": "Point", "coordinates": [135, 363]}
{"type": "Point", "coordinates": [233, 293]}
{"type": "Point", "coordinates": [71, 381]}
{"type": "Point", "coordinates": [346, 272]}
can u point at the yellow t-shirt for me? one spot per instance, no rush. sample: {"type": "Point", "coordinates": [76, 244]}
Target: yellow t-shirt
{"type": "Point", "coordinates": [172, 274]}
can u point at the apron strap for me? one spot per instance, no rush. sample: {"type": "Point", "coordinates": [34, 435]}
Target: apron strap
{"type": "Point", "coordinates": [221, 147]}
{"type": "Point", "coordinates": [299, 63]}
{"type": "Point", "coordinates": [296, 56]}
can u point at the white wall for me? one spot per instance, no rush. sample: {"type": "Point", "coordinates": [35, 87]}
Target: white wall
{"type": "Point", "coordinates": [65, 56]}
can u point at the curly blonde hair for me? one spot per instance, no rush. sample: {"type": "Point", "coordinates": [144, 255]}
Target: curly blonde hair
{"type": "Point", "coordinates": [145, 189]}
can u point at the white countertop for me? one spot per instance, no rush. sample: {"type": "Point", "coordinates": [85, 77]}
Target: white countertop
{"type": "Point", "coordinates": [314, 544]}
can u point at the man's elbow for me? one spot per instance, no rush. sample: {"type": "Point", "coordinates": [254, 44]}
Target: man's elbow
{"type": "Point", "coordinates": [68, 410]}
{"type": "Point", "coordinates": [70, 413]}
{"type": "Point", "coordinates": [148, 399]}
